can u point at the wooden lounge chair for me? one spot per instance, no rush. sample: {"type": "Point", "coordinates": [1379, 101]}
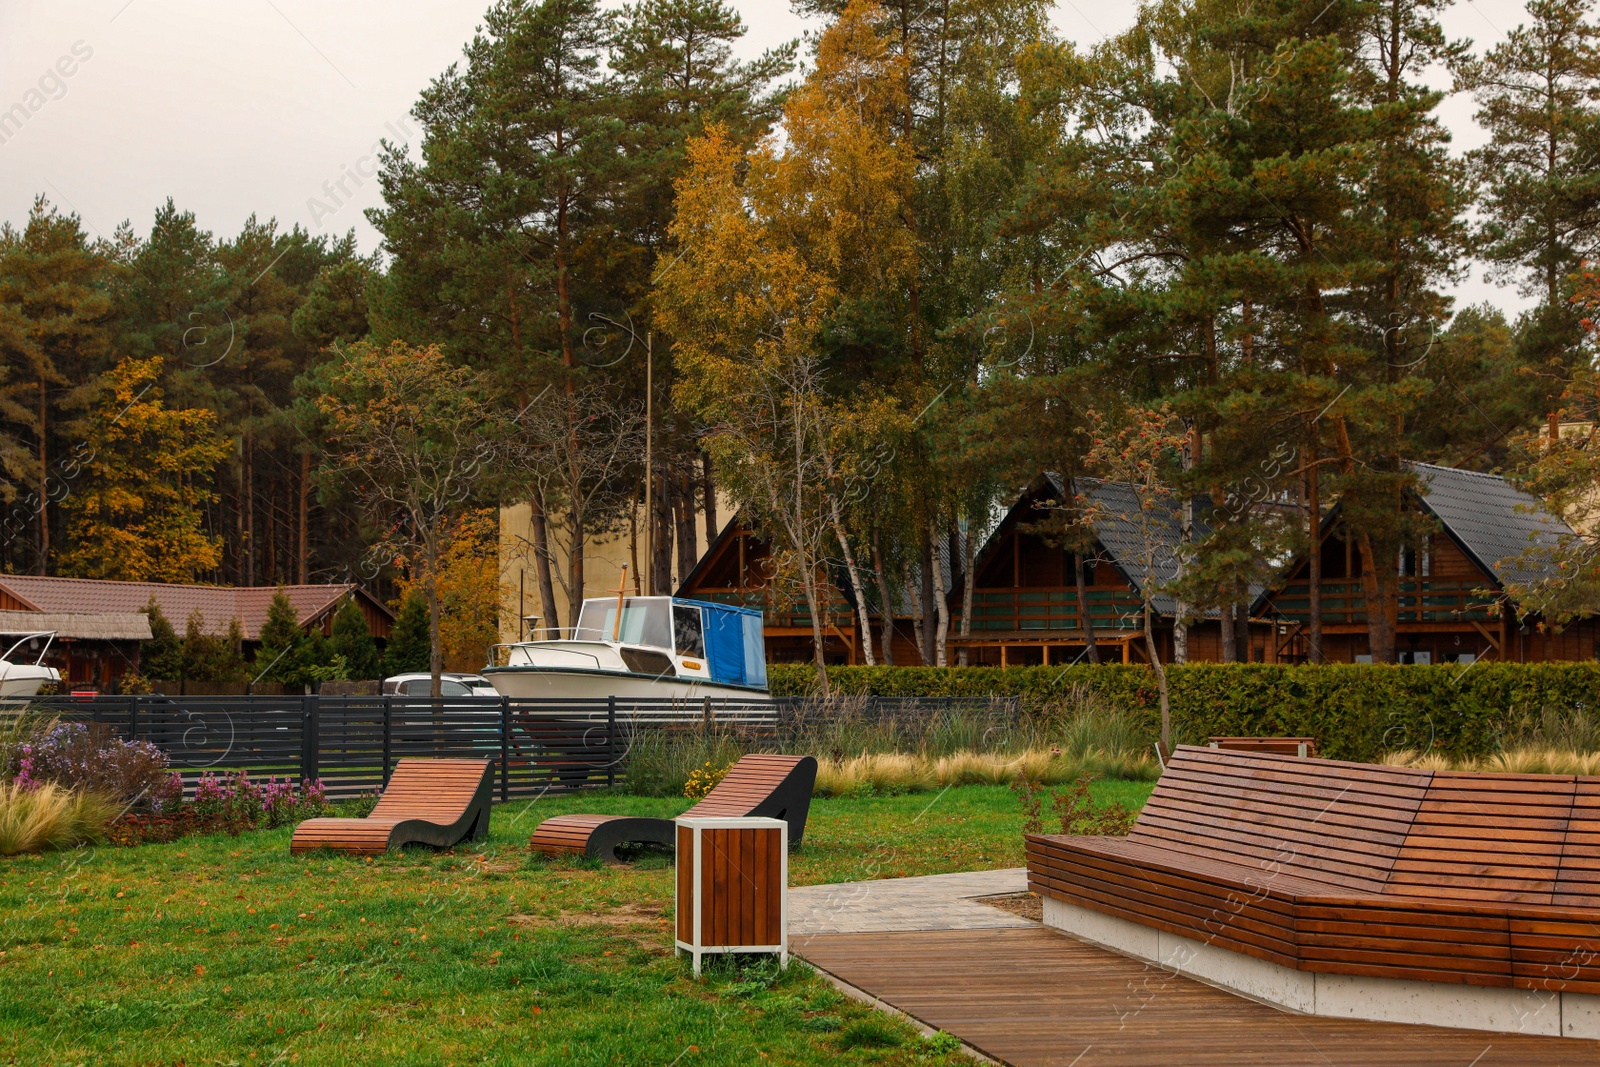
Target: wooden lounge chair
{"type": "Point", "coordinates": [776, 787]}
{"type": "Point", "coordinates": [437, 802]}
{"type": "Point", "coordinates": [1354, 869]}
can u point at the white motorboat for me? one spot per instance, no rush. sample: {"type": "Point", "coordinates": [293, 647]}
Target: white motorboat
{"type": "Point", "coordinates": [650, 647]}
{"type": "Point", "coordinates": [23, 679]}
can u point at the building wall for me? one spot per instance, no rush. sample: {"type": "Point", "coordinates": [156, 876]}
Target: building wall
{"type": "Point", "coordinates": [604, 558]}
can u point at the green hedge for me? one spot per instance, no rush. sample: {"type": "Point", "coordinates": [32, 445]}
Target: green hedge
{"type": "Point", "coordinates": [1355, 711]}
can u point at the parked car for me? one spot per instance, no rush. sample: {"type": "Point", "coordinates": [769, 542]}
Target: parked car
{"type": "Point", "coordinates": [450, 685]}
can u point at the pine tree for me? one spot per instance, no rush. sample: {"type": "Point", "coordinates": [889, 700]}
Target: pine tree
{"type": "Point", "coordinates": [283, 652]}
{"type": "Point", "coordinates": [408, 646]}
{"type": "Point", "coordinates": [161, 657]}
{"type": "Point", "coordinates": [1538, 95]}
{"type": "Point", "coordinates": [212, 657]}
{"type": "Point", "coordinates": [55, 332]}
{"type": "Point", "coordinates": [352, 639]}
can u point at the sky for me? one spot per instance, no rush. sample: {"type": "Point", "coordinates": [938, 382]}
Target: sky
{"type": "Point", "coordinates": [276, 107]}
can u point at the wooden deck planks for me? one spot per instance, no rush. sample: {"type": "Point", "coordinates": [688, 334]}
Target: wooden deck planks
{"type": "Point", "coordinates": [1033, 997]}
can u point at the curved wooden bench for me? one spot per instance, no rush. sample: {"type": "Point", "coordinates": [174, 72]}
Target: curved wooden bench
{"type": "Point", "coordinates": [776, 787]}
{"type": "Point", "coordinates": [1347, 868]}
{"type": "Point", "coordinates": [437, 802]}
{"type": "Point", "coordinates": [1281, 746]}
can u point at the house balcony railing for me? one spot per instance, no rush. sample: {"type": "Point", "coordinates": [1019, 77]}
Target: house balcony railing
{"type": "Point", "coordinates": [994, 611]}
{"type": "Point", "coordinates": [1421, 600]}
{"type": "Point", "coordinates": [1052, 610]}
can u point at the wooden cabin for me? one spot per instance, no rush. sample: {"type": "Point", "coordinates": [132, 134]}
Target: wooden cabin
{"type": "Point", "coordinates": [1025, 598]}
{"type": "Point", "coordinates": [1024, 603]}
{"type": "Point", "coordinates": [737, 569]}
{"type": "Point", "coordinates": [1451, 604]}
{"type": "Point", "coordinates": [99, 624]}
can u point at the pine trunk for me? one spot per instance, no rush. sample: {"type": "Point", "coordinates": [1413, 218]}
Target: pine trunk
{"type": "Point", "coordinates": [247, 511]}
{"type": "Point", "coordinates": [1314, 532]}
{"type": "Point", "coordinates": [303, 541]}
{"type": "Point", "coordinates": [44, 486]}
{"type": "Point", "coordinates": [684, 514]}
{"type": "Point", "coordinates": [708, 498]}
{"type": "Point", "coordinates": [541, 564]}
{"type": "Point", "coordinates": [1087, 620]}
{"type": "Point", "coordinates": [886, 604]}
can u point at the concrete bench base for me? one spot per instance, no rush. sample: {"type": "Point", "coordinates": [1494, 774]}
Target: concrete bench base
{"type": "Point", "coordinates": [1518, 1011]}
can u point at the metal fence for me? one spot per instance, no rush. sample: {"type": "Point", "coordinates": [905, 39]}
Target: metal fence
{"type": "Point", "coordinates": [351, 743]}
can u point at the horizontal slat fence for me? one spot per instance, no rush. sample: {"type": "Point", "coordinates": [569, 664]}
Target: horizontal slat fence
{"type": "Point", "coordinates": [351, 743]}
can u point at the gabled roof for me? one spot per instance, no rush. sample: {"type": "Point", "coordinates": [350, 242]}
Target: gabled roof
{"type": "Point", "coordinates": [1117, 527]}
{"type": "Point", "coordinates": [218, 605]}
{"type": "Point", "coordinates": [1491, 520]}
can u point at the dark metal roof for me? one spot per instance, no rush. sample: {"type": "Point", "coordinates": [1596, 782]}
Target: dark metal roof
{"type": "Point", "coordinates": [1492, 521]}
{"type": "Point", "coordinates": [1118, 528]}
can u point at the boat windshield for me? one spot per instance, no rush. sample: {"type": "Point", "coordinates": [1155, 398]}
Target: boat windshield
{"type": "Point", "coordinates": [644, 622]}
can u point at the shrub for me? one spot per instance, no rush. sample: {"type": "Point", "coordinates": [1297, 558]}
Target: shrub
{"type": "Point", "coordinates": [91, 758]}
{"type": "Point", "coordinates": [46, 815]}
{"type": "Point", "coordinates": [282, 804]}
{"type": "Point", "coordinates": [230, 805]}
{"type": "Point", "coordinates": [659, 762]}
{"type": "Point", "coordinates": [1074, 809]}
{"type": "Point", "coordinates": [703, 780]}
{"type": "Point", "coordinates": [1356, 711]}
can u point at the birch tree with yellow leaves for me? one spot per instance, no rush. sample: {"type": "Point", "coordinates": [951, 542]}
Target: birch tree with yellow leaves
{"type": "Point", "coordinates": [793, 256]}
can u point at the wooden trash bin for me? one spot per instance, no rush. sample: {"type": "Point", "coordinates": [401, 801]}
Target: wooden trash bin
{"type": "Point", "coordinates": [732, 887]}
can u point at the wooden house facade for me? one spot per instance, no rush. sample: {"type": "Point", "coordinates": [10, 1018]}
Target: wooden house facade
{"type": "Point", "coordinates": [1025, 601]}
{"type": "Point", "coordinates": [1451, 605]}
{"type": "Point", "coordinates": [737, 569]}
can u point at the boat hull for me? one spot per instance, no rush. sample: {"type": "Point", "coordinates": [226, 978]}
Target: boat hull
{"type": "Point", "coordinates": [22, 680]}
{"type": "Point", "coordinates": [552, 683]}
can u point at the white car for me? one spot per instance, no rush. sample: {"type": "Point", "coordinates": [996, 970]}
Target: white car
{"type": "Point", "coordinates": [450, 685]}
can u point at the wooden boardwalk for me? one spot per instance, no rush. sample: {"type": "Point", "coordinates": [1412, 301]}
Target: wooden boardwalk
{"type": "Point", "coordinates": [1033, 997]}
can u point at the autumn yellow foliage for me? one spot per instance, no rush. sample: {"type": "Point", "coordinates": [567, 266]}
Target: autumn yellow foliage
{"type": "Point", "coordinates": [136, 511]}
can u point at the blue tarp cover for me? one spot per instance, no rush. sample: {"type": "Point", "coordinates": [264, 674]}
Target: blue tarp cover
{"type": "Point", "coordinates": [725, 644]}
{"type": "Point", "coordinates": [736, 648]}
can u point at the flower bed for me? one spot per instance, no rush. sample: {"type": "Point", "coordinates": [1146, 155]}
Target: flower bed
{"type": "Point", "coordinates": [229, 805]}
{"type": "Point", "coordinates": [131, 792]}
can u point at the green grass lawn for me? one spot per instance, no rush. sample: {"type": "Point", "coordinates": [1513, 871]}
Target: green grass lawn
{"type": "Point", "coordinates": [220, 950]}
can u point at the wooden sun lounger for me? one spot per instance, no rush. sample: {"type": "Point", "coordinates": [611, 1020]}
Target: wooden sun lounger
{"type": "Point", "coordinates": [776, 787]}
{"type": "Point", "coordinates": [437, 802]}
{"type": "Point", "coordinates": [1355, 869]}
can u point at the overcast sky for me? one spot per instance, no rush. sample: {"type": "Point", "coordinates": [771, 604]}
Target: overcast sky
{"type": "Point", "coordinates": [267, 106]}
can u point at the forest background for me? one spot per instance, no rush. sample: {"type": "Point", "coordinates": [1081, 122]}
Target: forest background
{"type": "Point", "coordinates": [885, 276]}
